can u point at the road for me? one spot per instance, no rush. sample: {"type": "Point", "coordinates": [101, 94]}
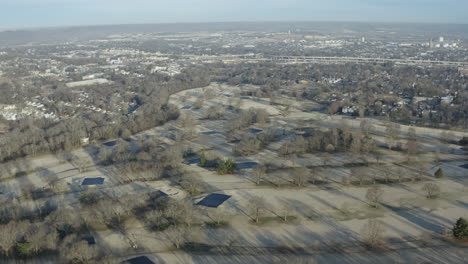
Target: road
{"type": "Point", "coordinates": [321, 59]}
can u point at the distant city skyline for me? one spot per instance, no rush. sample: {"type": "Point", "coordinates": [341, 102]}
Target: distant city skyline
{"type": "Point", "coordinates": [52, 13]}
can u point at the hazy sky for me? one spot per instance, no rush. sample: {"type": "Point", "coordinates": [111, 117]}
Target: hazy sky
{"type": "Point", "coordinates": [27, 13]}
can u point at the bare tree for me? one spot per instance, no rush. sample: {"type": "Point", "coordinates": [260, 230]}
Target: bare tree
{"type": "Point", "coordinates": [80, 252]}
{"type": "Point", "coordinates": [256, 207]}
{"type": "Point", "coordinates": [180, 212]}
{"type": "Point", "coordinates": [172, 156]}
{"type": "Point", "coordinates": [326, 158]}
{"type": "Point", "coordinates": [393, 133]}
{"type": "Point", "coordinates": [373, 176]}
{"type": "Point", "coordinates": [40, 237]}
{"type": "Point", "coordinates": [324, 177]}
{"type": "Point", "coordinates": [259, 173]}
{"type": "Point", "coordinates": [262, 117]}
{"type": "Point", "coordinates": [174, 209]}
{"type": "Point", "coordinates": [114, 215]}
{"type": "Point", "coordinates": [387, 174]}
{"type": "Point", "coordinates": [215, 112]}
{"type": "Point", "coordinates": [333, 108]}
{"type": "Point", "coordinates": [232, 238]}
{"type": "Point", "coordinates": [300, 176]}
{"type": "Point", "coordinates": [64, 219]}
{"type": "Point", "coordinates": [356, 144]}
{"type": "Point", "coordinates": [176, 234]}
{"type": "Point", "coordinates": [11, 233]}
{"type": "Point", "coordinates": [81, 165]}
{"type": "Point", "coordinates": [378, 156]}
{"type": "Point", "coordinates": [210, 94]}
{"type": "Point", "coordinates": [218, 215]}
{"type": "Point", "coordinates": [425, 238]}
{"type": "Point", "coordinates": [180, 234]}
{"type": "Point", "coordinates": [374, 196]}
{"type": "Point", "coordinates": [59, 186]}
{"type": "Point", "coordinates": [400, 173]}
{"type": "Point", "coordinates": [420, 170]}
{"type": "Point", "coordinates": [437, 156]}
{"type": "Point", "coordinates": [198, 104]}
{"type": "Point", "coordinates": [412, 148]}
{"type": "Point", "coordinates": [372, 233]}
{"type": "Point", "coordinates": [360, 174]}
{"type": "Point", "coordinates": [275, 179]}
{"type": "Point", "coordinates": [105, 155]}
{"type": "Point", "coordinates": [346, 180]}
{"type": "Point", "coordinates": [314, 175]}
{"type": "Point", "coordinates": [366, 127]}
{"type": "Point", "coordinates": [184, 98]}
{"type": "Point", "coordinates": [187, 120]}
{"type": "Point", "coordinates": [89, 217]}
{"type": "Point", "coordinates": [286, 110]}
{"type": "Point", "coordinates": [432, 190]}
{"type": "Point", "coordinates": [27, 187]}
{"type": "Point", "coordinates": [412, 133]}
{"type": "Point", "coordinates": [286, 210]}
{"type": "Point", "coordinates": [238, 103]}
{"type": "Point", "coordinates": [157, 219]}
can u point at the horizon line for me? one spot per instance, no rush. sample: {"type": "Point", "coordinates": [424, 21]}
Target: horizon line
{"type": "Point", "coordinates": [29, 28]}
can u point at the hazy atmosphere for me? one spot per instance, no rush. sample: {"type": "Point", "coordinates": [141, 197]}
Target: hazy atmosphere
{"type": "Point", "coordinates": [39, 13]}
{"type": "Point", "coordinates": [233, 132]}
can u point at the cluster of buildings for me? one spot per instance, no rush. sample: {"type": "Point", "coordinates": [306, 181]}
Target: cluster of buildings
{"type": "Point", "coordinates": [98, 62]}
{"type": "Point", "coordinates": [442, 44]}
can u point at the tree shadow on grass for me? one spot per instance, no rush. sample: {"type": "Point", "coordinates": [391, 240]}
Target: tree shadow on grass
{"type": "Point", "coordinates": [418, 217]}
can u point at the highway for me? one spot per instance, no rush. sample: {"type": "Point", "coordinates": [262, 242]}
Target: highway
{"type": "Point", "coordinates": [327, 60]}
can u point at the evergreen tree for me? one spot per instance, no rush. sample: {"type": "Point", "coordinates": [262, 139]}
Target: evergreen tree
{"type": "Point", "coordinates": [439, 173]}
{"type": "Point", "coordinates": [226, 166]}
{"type": "Point", "coordinates": [460, 230]}
{"type": "Point", "coordinates": [203, 159]}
